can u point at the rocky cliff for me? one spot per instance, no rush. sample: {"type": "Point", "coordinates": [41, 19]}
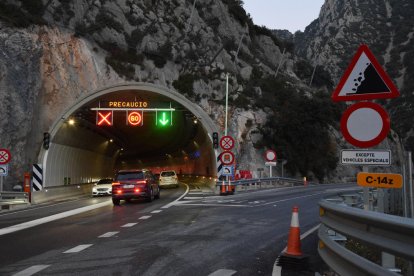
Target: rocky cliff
{"type": "Point", "coordinates": [387, 27]}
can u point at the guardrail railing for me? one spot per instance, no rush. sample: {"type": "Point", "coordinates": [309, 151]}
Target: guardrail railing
{"type": "Point", "coordinates": [391, 234]}
{"type": "Point", "coordinates": [260, 183]}
{"type": "Point", "coordinates": [10, 199]}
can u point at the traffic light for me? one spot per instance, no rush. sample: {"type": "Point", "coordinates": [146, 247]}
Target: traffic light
{"type": "Point", "coordinates": [46, 140]}
{"type": "Point", "coordinates": [215, 140]}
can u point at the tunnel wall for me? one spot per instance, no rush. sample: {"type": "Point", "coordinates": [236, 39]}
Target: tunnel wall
{"type": "Point", "coordinates": [69, 165]}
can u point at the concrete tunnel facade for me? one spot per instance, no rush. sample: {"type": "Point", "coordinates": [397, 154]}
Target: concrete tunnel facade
{"type": "Point", "coordinates": [82, 155]}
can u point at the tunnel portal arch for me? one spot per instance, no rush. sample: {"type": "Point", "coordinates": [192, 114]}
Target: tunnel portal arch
{"type": "Point", "coordinates": [47, 157]}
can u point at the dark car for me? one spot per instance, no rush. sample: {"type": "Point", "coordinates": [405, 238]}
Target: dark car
{"type": "Point", "coordinates": [134, 184]}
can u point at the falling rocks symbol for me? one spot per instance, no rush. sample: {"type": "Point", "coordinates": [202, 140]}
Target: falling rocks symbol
{"type": "Point", "coordinates": [369, 82]}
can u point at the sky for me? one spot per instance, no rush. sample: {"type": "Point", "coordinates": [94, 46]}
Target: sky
{"type": "Point", "coordinates": [292, 15]}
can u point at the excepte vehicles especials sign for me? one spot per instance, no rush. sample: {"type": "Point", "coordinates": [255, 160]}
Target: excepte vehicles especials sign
{"type": "Point", "coordinates": [366, 157]}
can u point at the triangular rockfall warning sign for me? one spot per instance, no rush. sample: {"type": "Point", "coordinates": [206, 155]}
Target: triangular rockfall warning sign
{"type": "Point", "coordinates": [364, 79]}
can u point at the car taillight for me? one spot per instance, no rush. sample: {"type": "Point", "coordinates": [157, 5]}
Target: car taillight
{"type": "Point", "coordinates": [119, 191]}
{"type": "Point", "coordinates": [142, 182]}
{"type": "Point", "coordinates": [115, 183]}
{"type": "Point", "coordinates": [137, 190]}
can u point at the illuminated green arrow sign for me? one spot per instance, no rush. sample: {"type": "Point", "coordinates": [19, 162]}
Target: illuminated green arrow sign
{"type": "Point", "coordinates": [164, 119]}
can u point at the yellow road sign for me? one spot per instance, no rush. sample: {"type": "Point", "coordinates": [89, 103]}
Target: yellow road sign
{"type": "Point", "coordinates": [379, 180]}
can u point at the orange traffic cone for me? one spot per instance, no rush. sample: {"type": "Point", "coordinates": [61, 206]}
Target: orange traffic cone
{"type": "Point", "coordinates": [223, 188]}
{"type": "Point", "coordinates": [293, 246]}
{"type": "Point", "coordinates": [230, 188]}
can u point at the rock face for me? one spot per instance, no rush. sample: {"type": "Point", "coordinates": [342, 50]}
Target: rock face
{"type": "Point", "coordinates": [386, 27]}
{"type": "Point", "coordinates": [53, 52]}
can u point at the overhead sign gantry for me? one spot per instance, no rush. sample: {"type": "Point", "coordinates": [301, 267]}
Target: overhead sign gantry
{"type": "Point", "coordinates": [135, 111]}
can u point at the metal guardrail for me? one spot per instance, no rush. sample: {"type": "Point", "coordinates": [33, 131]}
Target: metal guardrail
{"type": "Point", "coordinates": [388, 233]}
{"type": "Point", "coordinates": [10, 199]}
{"type": "Point", "coordinates": [259, 183]}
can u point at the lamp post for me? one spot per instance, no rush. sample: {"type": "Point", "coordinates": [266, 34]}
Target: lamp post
{"type": "Point", "coordinates": [227, 103]}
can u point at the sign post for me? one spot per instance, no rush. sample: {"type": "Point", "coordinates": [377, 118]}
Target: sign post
{"type": "Point", "coordinates": [5, 157]}
{"type": "Point", "coordinates": [366, 124]}
{"type": "Point", "coordinates": [270, 156]}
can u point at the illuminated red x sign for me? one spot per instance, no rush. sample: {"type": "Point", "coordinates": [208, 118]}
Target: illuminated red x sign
{"type": "Point", "coordinates": [104, 118]}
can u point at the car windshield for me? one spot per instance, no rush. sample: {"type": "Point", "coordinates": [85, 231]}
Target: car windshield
{"type": "Point", "coordinates": [105, 181]}
{"type": "Point", "coordinates": [130, 175]}
{"type": "Point", "coordinates": [168, 173]}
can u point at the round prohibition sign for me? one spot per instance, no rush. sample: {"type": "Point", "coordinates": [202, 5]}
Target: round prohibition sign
{"type": "Point", "coordinates": [270, 155]}
{"type": "Point", "coordinates": [227, 157]}
{"type": "Point", "coordinates": [134, 118]}
{"type": "Point", "coordinates": [227, 142]}
{"type": "Point", "coordinates": [365, 124]}
{"type": "Point", "coordinates": [5, 156]}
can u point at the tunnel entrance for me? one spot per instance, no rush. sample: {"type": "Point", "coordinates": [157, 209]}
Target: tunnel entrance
{"type": "Point", "coordinates": [128, 126]}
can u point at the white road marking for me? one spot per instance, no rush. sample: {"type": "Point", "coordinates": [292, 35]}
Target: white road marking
{"type": "Point", "coordinates": [223, 272]}
{"type": "Point", "coordinates": [78, 248]}
{"type": "Point", "coordinates": [145, 217]}
{"type": "Point", "coordinates": [31, 270]}
{"type": "Point", "coordinates": [36, 222]}
{"type": "Point", "coordinates": [156, 211]}
{"type": "Point", "coordinates": [175, 201]}
{"type": "Point", "coordinates": [287, 199]}
{"type": "Point", "coordinates": [108, 234]}
{"type": "Point", "coordinates": [193, 197]}
{"type": "Point", "coordinates": [129, 224]}
{"type": "Point", "coordinates": [200, 204]}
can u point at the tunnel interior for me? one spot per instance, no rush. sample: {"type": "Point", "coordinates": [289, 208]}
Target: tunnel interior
{"type": "Point", "coordinates": [81, 151]}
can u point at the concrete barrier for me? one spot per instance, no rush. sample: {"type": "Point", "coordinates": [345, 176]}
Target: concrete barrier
{"type": "Point", "coordinates": [62, 192]}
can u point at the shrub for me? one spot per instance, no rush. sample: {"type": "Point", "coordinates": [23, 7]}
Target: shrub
{"type": "Point", "coordinates": [184, 84]}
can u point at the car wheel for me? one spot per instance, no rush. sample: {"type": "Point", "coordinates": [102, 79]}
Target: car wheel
{"type": "Point", "coordinates": [151, 196]}
{"type": "Point", "coordinates": [116, 201]}
{"type": "Point", "coordinates": [158, 195]}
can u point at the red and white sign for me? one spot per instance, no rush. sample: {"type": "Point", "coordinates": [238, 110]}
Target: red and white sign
{"type": "Point", "coordinates": [227, 142]}
{"type": "Point", "coordinates": [364, 79]}
{"type": "Point", "coordinates": [104, 118]}
{"type": "Point", "coordinates": [365, 124]}
{"type": "Point", "coordinates": [5, 156]}
{"type": "Point", "coordinates": [270, 155]}
{"type": "Point", "coordinates": [227, 157]}
{"type": "Point", "coordinates": [135, 118]}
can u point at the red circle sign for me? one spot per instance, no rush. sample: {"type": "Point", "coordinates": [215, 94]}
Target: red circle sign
{"type": "Point", "coordinates": [5, 156]}
{"type": "Point", "coordinates": [270, 155]}
{"type": "Point", "coordinates": [365, 124]}
{"type": "Point", "coordinates": [134, 118]}
{"type": "Point", "coordinates": [227, 157]}
{"type": "Point", "coordinates": [227, 142]}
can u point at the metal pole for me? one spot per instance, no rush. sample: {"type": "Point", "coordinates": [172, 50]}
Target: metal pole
{"type": "Point", "coordinates": [227, 103]}
{"type": "Point", "coordinates": [405, 189]}
{"type": "Point", "coordinates": [410, 184]}
{"type": "Point", "coordinates": [1, 183]}
{"type": "Point", "coordinates": [270, 171]}
{"type": "Point", "coordinates": [366, 192]}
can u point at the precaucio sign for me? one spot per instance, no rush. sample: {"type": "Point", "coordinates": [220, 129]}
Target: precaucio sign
{"type": "Point", "coordinates": [379, 180]}
{"type": "Point", "coordinates": [366, 157]}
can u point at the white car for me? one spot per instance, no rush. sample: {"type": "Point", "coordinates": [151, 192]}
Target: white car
{"type": "Point", "coordinates": [102, 187]}
{"type": "Point", "coordinates": [168, 178]}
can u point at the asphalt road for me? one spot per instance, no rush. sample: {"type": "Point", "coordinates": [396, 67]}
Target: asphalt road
{"type": "Point", "coordinates": [198, 234]}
